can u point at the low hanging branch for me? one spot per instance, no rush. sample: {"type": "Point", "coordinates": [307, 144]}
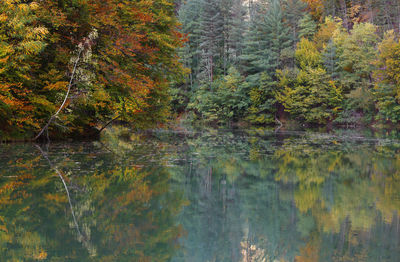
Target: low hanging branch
{"type": "Point", "coordinates": [108, 123]}
{"type": "Point", "coordinates": [46, 127]}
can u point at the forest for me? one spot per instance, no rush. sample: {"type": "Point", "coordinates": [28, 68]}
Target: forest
{"type": "Point", "coordinates": [318, 62]}
{"type": "Point", "coordinates": [69, 68]}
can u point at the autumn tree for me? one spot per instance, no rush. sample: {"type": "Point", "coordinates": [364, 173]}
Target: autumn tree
{"type": "Point", "coordinates": [387, 86]}
{"type": "Point", "coordinates": [53, 68]}
{"type": "Point", "coordinates": [309, 94]}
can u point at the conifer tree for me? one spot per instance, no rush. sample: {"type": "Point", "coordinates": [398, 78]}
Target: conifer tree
{"type": "Point", "coordinates": [307, 26]}
{"type": "Point", "coordinates": [236, 27]}
{"type": "Point", "coordinates": [277, 36]}
{"type": "Point", "coordinates": [267, 37]}
{"type": "Point", "coordinates": [211, 38]}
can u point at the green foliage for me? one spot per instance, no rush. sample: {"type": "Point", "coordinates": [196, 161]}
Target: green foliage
{"type": "Point", "coordinates": [262, 101]}
{"type": "Point", "coordinates": [356, 53]}
{"type": "Point", "coordinates": [223, 101]}
{"type": "Point", "coordinates": [307, 27]}
{"type": "Point", "coordinates": [309, 94]}
{"type": "Point", "coordinates": [387, 77]}
{"type": "Point", "coordinates": [267, 38]}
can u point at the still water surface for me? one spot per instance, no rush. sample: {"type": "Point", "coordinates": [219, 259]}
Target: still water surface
{"type": "Point", "coordinates": [210, 195]}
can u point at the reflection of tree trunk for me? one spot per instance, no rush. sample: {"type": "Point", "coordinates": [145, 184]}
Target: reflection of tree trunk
{"type": "Point", "coordinates": [223, 194]}
{"type": "Point", "coordinates": [208, 180]}
{"type": "Point", "coordinates": [65, 186]}
{"type": "Point", "coordinates": [343, 232]}
{"type": "Point", "coordinates": [82, 238]}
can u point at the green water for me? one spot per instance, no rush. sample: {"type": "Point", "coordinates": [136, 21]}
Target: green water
{"type": "Point", "coordinates": [209, 195]}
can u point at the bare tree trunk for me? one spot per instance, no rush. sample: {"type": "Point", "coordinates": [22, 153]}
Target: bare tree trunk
{"type": "Point", "coordinates": [46, 127]}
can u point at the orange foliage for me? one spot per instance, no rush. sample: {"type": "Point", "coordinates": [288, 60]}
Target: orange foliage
{"type": "Point", "coordinates": [316, 7]}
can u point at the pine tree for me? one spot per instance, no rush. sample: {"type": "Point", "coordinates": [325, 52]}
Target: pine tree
{"type": "Point", "coordinates": [277, 36]}
{"type": "Point", "coordinates": [330, 60]}
{"type": "Point", "coordinates": [307, 27]}
{"type": "Point", "coordinates": [189, 16]}
{"type": "Point", "coordinates": [267, 37]}
{"type": "Point", "coordinates": [211, 37]}
{"type": "Point", "coordinates": [237, 27]}
{"type": "Point", "coordinates": [293, 10]}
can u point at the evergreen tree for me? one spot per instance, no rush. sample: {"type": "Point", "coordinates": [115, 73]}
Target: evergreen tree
{"type": "Point", "coordinates": [189, 16]}
{"type": "Point", "coordinates": [211, 38]}
{"type": "Point", "coordinates": [267, 37]}
{"type": "Point", "coordinates": [236, 28]}
{"type": "Point", "coordinates": [307, 27]}
{"type": "Point", "coordinates": [277, 36]}
{"type": "Point", "coordinates": [293, 10]}
{"type": "Point", "coordinates": [330, 60]}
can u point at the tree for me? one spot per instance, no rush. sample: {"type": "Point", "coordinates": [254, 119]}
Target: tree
{"type": "Point", "coordinates": [211, 47]}
{"type": "Point", "coordinates": [22, 40]}
{"type": "Point", "coordinates": [236, 29]}
{"type": "Point", "coordinates": [356, 52]}
{"type": "Point", "coordinates": [262, 101]}
{"type": "Point", "coordinates": [309, 94]}
{"type": "Point", "coordinates": [307, 27]}
{"type": "Point", "coordinates": [225, 102]}
{"type": "Point", "coordinates": [387, 77]}
{"type": "Point", "coordinates": [124, 73]}
{"type": "Point", "coordinates": [268, 36]}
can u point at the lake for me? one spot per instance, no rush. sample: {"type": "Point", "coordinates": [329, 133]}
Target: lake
{"type": "Point", "coordinates": [203, 195]}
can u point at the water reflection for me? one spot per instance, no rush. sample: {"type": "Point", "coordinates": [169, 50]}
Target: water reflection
{"type": "Point", "coordinates": [203, 196]}
{"type": "Point", "coordinates": [120, 211]}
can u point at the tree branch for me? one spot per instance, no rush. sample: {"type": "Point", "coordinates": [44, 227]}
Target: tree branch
{"type": "Point", "coordinates": [46, 127]}
{"type": "Point", "coordinates": [108, 123]}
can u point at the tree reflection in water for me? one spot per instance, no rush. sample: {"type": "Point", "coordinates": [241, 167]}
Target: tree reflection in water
{"type": "Point", "coordinates": [124, 209]}
{"type": "Point", "coordinates": [213, 195]}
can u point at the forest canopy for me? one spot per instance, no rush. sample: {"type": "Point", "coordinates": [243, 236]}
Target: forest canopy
{"type": "Point", "coordinates": [316, 62]}
{"type": "Point", "coordinates": [116, 57]}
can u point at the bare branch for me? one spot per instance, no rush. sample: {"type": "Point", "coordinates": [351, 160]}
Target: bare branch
{"type": "Point", "coordinates": [46, 127]}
